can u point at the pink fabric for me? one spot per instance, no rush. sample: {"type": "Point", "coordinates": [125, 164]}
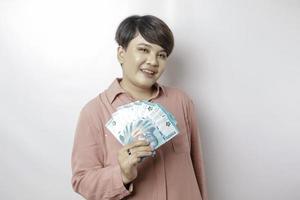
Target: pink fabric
{"type": "Point", "coordinates": [177, 171]}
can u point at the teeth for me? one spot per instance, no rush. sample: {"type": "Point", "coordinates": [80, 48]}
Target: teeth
{"type": "Point", "coordinates": [147, 71]}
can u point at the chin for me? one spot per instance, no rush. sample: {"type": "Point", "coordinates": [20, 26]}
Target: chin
{"type": "Point", "coordinates": [146, 83]}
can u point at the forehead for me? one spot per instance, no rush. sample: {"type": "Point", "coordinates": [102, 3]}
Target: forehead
{"type": "Point", "coordinates": [140, 41]}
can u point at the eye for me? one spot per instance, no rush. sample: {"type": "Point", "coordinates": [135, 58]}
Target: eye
{"type": "Point", "coordinates": [163, 56]}
{"type": "Point", "coordinates": [144, 50]}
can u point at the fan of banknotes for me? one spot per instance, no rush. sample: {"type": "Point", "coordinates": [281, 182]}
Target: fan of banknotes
{"type": "Point", "coordinates": [143, 120]}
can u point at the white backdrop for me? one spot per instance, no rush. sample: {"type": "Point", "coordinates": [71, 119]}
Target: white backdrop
{"type": "Point", "coordinates": [238, 60]}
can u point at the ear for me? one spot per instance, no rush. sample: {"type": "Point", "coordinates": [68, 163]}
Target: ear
{"type": "Point", "coordinates": [121, 54]}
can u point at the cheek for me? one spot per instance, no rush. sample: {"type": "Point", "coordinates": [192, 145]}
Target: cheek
{"type": "Point", "coordinates": [162, 67]}
{"type": "Point", "coordinates": [137, 58]}
{"type": "Point", "coordinates": [140, 60]}
{"type": "Point", "coordinates": [136, 63]}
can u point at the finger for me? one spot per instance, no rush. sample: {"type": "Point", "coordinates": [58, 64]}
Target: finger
{"type": "Point", "coordinates": [134, 160]}
{"type": "Point", "coordinates": [136, 144]}
{"type": "Point", "coordinates": [142, 154]}
{"type": "Point", "coordinates": [140, 149]}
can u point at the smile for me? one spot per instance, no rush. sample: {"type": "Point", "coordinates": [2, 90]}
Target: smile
{"type": "Point", "coordinates": [148, 71]}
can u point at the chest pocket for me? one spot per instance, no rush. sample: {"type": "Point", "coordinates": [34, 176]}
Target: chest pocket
{"type": "Point", "coordinates": [180, 143]}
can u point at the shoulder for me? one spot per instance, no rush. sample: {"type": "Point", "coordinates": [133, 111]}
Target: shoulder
{"type": "Point", "coordinates": [90, 105]}
{"type": "Point", "coordinates": [91, 108]}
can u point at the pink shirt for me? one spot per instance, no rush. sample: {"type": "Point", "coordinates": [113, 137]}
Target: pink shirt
{"type": "Point", "coordinates": [175, 173]}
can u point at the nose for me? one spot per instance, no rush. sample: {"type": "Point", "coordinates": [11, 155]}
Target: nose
{"type": "Point", "coordinates": [152, 60]}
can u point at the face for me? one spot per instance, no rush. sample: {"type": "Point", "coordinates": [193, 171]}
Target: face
{"type": "Point", "coordinates": [142, 62]}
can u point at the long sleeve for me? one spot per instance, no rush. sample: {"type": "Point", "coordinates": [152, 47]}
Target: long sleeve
{"type": "Point", "coordinates": [196, 151]}
{"type": "Point", "coordinates": [90, 178]}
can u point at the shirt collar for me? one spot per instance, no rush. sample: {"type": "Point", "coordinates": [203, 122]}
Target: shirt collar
{"type": "Point", "coordinates": [115, 89]}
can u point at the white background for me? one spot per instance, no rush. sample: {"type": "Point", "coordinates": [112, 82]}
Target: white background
{"type": "Point", "coordinates": [237, 59]}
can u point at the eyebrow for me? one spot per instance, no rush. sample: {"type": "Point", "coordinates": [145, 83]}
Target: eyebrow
{"type": "Point", "coordinates": [151, 47]}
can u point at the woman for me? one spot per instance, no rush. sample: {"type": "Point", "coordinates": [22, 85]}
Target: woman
{"type": "Point", "coordinates": [102, 167]}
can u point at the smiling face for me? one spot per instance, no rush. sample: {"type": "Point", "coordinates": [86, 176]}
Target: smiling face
{"type": "Point", "coordinates": [142, 63]}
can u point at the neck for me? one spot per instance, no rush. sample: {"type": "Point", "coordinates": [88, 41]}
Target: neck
{"type": "Point", "coordinates": [136, 92]}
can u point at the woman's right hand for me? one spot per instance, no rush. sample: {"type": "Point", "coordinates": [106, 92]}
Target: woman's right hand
{"type": "Point", "coordinates": [130, 155]}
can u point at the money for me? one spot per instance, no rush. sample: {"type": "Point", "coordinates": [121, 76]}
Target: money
{"type": "Point", "coordinates": [143, 120]}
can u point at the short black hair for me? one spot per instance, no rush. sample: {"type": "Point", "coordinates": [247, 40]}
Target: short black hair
{"type": "Point", "coordinates": [151, 28]}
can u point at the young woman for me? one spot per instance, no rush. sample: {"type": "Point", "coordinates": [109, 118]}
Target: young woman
{"type": "Point", "coordinates": [102, 167]}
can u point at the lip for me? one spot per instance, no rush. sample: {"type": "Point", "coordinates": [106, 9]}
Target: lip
{"type": "Point", "coordinates": [147, 74]}
{"type": "Point", "coordinates": [149, 69]}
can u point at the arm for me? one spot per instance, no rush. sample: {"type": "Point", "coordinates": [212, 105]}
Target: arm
{"type": "Point", "coordinates": [90, 177]}
{"type": "Point", "coordinates": [196, 151]}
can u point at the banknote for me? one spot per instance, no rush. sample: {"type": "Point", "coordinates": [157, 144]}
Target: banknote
{"type": "Point", "coordinates": [143, 120]}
